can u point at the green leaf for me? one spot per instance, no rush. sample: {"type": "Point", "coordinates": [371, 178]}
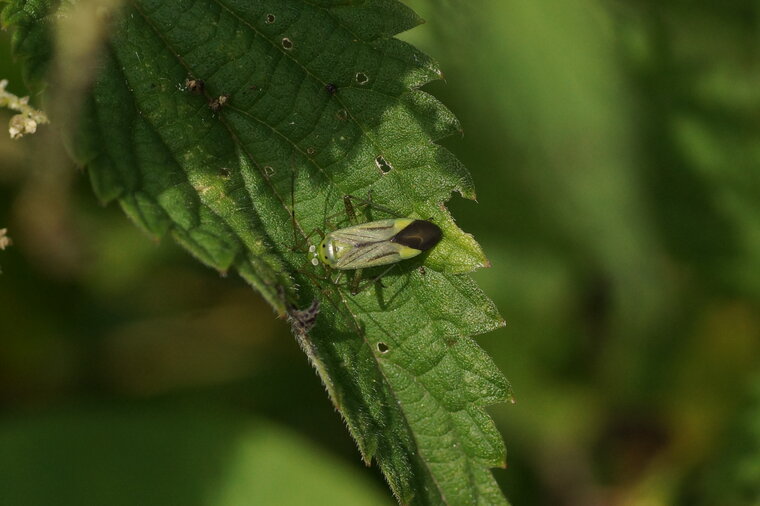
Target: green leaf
{"type": "Point", "coordinates": [243, 186]}
{"type": "Point", "coordinates": [32, 40]}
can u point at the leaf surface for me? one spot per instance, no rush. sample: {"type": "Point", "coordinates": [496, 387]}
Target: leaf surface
{"type": "Point", "coordinates": [320, 103]}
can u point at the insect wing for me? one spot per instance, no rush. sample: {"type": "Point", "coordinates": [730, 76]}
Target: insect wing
{"type": "Point", "coordinates": [374, 231]}
{"type": "Point", "coordinates": [369, 244]}
{"type": "Point", "coordinates": [370, 255]}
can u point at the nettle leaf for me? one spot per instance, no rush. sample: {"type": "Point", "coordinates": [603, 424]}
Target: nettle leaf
{"type": "Point", "coordinates": [319, 103]}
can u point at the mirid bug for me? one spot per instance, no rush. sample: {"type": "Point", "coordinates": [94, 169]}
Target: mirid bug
{"type": "Point", "coordinates": [376, 243]}
{"type": "Point", "coordinates": [366, 245]}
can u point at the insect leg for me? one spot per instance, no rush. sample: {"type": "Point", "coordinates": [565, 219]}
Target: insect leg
{"type": "Point", "coordinates": [350, 209]}
{"type": "Point", "coordinates": [354, 285]}
{"type": "Point", "coordinates": [358, 289]}
{"type": "Point", "coordinates": [369, 203]}
{"type": "Point", "coordinates": [336, 281]}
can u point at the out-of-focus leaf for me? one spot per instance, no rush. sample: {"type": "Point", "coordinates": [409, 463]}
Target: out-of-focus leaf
{"type": "Point", "coordinates": [152, 457]}
{"type": "Point", "coordinates": [700, 110]}
{"type": "Point", "coordinates": [733, 477]}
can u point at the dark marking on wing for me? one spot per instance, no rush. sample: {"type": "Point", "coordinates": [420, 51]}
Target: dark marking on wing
{"type": "Point", "coordinates": [420, 234]}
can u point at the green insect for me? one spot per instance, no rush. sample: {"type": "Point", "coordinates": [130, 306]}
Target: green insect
{"type": "Point", "coordinates": [376, 243]}
{"type": "Point", "coordinates": [366, 245]}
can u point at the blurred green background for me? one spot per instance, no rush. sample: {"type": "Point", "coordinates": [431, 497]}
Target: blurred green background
{"type": "Point", "coordinates": [615, 147]}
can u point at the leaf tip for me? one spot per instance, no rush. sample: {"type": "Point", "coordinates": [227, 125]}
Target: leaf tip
{"type": "Point", "coordinates": [468, 192]}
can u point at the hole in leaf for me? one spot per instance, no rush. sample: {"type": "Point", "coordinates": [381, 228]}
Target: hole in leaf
{"type": "Point", "coordinates": [362, 78]}
{"type": "Point", "coordinates": [331, 88]}
{"type": "Point", "coordinates": [382, 347]}
{"type": "Point", "coordinates": [287, 44]}
{"type": "Point", "coordinates": [270, 19]}
{"type": "Point", "coordinates": [268, 171]}
{"type": "Point", "coordinates": [225, 172]}
{"type": "Point", "coordinates": [342, 115]}
{"type": "Point", "coordinates": [383, 164]}
{"type": "Point", "coordinates": [310, 150]}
